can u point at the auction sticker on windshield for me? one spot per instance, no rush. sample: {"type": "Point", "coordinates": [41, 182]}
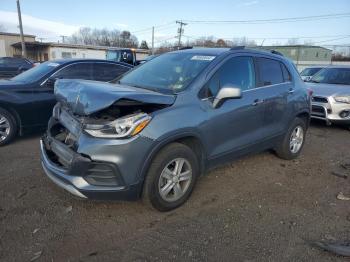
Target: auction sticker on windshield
{"type": "Point", "coordinates": [203, 57]}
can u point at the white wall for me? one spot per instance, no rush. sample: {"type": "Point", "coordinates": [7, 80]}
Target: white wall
{"type": "Point", "coordinates": [65, 52]}
{"type": "Point", "coordinates": [341, 63]}
{"type": "Point", "coordinates": [2, 48]}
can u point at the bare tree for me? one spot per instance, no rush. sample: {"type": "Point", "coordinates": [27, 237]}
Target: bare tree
{"type": "Point", "coordinates": [103, 37]}
{"type": "Point", "coordinates": [293, 41]}
{"type": "Point", "coordinates": [309, 42]}
{"type": "Point", "coordinates": [144, 45]}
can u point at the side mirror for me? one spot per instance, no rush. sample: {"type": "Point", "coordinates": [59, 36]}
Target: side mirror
{"type": "Point", "coordinates": [307, 79]}
{"type": "Point", "coordinates": [226, 92]}
{"type": "Point", "coordinates": [50, 82]}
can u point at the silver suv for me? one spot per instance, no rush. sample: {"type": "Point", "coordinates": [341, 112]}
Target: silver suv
{"type": "Point", "coordinates": [331, 98]}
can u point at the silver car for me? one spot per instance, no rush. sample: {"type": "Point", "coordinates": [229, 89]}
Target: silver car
{"type": "Point", "coordinates": [331, 95]}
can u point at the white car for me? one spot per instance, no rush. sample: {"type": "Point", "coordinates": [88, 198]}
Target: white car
{"type": "Point", "coordinates": [309, 72]}
{"type": "Point", "coordinates": [331, 95]}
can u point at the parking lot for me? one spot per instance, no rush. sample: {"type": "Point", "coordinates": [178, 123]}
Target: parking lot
{"type": "Point", "coordinates": [259, 208]}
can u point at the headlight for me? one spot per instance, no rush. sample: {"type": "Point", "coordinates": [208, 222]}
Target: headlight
{"type": "Point", "coordinates": [342, 99]}
{"type": "Point", "coordinates": [123, 127]}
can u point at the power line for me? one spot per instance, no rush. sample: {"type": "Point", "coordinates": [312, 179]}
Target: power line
{"type": "Point", "coordinates": [150, 28]}
{"type": "Point", "coordinates": [272, 38]}
{"type": "Point", "coordinates": [330, 40]}
{"type": "Point", "coordinates": [275, 20]}
{"type": "Point", "coordinates": [158, 30]}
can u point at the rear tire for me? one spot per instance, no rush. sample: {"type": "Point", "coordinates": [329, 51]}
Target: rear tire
{"type": "Point", "coordinates": [171, 177]}
{"type": "Point", "coordinates": [293, 141]}
{"type": "Point", "coordinates": [8, 127]}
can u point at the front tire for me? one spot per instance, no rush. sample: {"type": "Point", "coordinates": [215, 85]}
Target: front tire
{"type": "Point", "coordinates": [293, 141]}
{"type": "Point", "coordinates": [171, 177]}
{"type": "Point", "coordinates": [8, 127]}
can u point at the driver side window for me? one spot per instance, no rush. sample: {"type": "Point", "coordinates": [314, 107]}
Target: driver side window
{"type": "Point", "coordinates": [237, 71]}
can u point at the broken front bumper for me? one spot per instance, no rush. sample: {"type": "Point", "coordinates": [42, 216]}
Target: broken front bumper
{"type": "Point", "coordinates": [84, 178]}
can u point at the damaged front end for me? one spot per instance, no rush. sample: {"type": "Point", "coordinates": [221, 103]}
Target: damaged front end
{"type": "Point", "coordinates": [88, 146]}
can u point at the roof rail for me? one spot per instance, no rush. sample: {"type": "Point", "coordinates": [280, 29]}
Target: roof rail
{"type": "Point", "coordinates": [276, 52]}
{"type": "Point", "coordinates": [186, 47]}
{"type": "Point", "coordinates": [238, 47]}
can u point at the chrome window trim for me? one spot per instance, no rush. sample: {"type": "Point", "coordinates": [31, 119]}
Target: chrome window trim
{"type": "Point", "coordinates": [261, 87]}
{"type": "Point", "coordinates": [81, 62]}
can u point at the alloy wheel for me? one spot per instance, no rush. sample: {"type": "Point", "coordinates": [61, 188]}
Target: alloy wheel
{"type": "Point", "coordinates": [4, 128]}
{"type": "Point", "coordinates": [175, 180]}
{"type": "Point", "coordinates": [296, 139]}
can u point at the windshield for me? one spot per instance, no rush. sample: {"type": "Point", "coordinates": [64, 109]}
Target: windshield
{"type": "Point", "coordinates": [310, 71]}
{"type": "Point", "coordinates": [339, 76]}
{"type": "Point", "coordinates": [36, 73]}
{"type": "Point", "coordinates": [171, 72]}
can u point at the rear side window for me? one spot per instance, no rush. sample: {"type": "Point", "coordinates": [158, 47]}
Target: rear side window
{"type": "Point", "coordinates": [76, 71]}
{"type": "Point", "coordinates": [270, 72]}
{"type": "Point", "coordinates": [286, 75]}
{"type": "Point", "coordinates": [107, 71]}
{"type": "Point", "coordinates": [237, 72]}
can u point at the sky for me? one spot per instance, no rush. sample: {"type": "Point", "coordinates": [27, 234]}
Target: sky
{"type": "Point", "coordinates": [48, 19]}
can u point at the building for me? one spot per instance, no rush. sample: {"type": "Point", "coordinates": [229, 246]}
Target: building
{"type": "Point", "coordinates": [305, 55]}
{"type": "Point", "coordinates": [39, 51]}
{"type": "Point", "coordinates": [8, 39]}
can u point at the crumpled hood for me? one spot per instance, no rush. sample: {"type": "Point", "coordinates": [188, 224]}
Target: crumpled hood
{"type": "Point", "coordinates": [85, 97]}
{"type": "Point", "coordinates": [326, 90]}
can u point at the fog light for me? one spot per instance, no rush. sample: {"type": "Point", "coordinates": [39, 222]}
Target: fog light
{"type": "Point", "coordinates": [344, 114]}
{"type": "Point", "coordinates": [102, 175]}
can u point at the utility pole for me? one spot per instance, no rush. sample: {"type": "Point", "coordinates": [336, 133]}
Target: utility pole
{"type": "Point", "coordinates": [180, 31]}
{"type": "Point", "coordinates": [63, 38]}
{"type": "Point", "coordinates": [152, 40]}
{"type": "Point", "coordinates": [24, 51]}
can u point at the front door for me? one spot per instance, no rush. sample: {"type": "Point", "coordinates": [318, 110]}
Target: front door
{"type": "Point", "coordinates": [237, 123]}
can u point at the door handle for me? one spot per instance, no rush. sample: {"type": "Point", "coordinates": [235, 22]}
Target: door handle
{"type": "Point", "coordinates": [291, 91]}
{"type": "Point", "coordinates": [257, 102]}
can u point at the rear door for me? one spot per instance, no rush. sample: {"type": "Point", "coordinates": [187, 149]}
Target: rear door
{"type": "Point", "coordinates": [106, 72]}
{"type": "Point", "coordinates": [275, 80]}
{"type": "Point", "coordinates": [237, 123]}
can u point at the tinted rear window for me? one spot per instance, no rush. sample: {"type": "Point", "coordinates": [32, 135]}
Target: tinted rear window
{"type": "Point", "coordinates": [270, 72]}
{"type": "Point", "coordinates": [108, 71]}
{"type": "Point", "coordinates": [286, 75]}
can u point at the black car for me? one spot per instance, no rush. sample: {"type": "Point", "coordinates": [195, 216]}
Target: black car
{"type": "Point", "coordinates": [12, 66]}
{"type": "Point", "coordinates": [26, 101]}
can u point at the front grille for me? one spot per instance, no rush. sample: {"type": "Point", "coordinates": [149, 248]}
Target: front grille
{"type": "Point", "coordinates": [318, 111]}
{"type": "Point", "coordinates": [319, 99]}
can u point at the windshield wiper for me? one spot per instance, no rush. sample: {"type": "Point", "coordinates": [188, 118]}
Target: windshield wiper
{"type": "Point", "coordinates": [314, 81]}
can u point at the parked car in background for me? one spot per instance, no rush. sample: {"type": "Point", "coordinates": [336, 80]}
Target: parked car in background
{"type": "Point", "coordinates": [166, 122]}
{"type": "Point", "coordinates": [12, 66]}
{"type": "Point", "coordinates": [148, 58]}
{"type": "Point", "coordinates": [308, 72]}
{"type": "Point", "coordinates": [331, 97]}
{"type": "Point", "coordinates": [26, 101]}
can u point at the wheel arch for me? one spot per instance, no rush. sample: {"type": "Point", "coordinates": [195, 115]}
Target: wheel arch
{"type": "Point", "coordinates": [305, 115]}
{"type": "Point", "coordinates": [190, 139]}
{"type": "Point", "coordinates": [15, 116]}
